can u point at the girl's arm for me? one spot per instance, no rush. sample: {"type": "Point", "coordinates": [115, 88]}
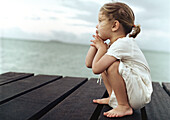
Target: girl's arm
{"type": "Point", "coordinates": [90, 56]}
{"type": "Point", "coordinates": [101, 61]}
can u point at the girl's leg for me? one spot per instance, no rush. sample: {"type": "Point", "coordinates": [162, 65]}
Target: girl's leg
{"type": "Point", "coordinates": [108, 88]}
{"type": "Point", "coordinates": [119, 87]}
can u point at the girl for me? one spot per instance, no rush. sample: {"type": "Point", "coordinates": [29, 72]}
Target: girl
{"type": "Point", "coordinates": [122, 65]}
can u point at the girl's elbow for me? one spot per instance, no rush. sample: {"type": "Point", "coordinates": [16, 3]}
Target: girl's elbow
{"type": "Point", "coordinates": [96, 71]}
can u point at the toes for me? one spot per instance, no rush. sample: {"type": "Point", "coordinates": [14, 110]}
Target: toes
{"type": "Point", "coordinates": [109, 115]}
{"type": "Point", "coordinates": [116, 115]}
{"type": "Point", "coordinates": [105, 113]}
{"type": "Point", "coordinates": [113, 115]}
{"type": "Point", "coordinates": [95, 101]}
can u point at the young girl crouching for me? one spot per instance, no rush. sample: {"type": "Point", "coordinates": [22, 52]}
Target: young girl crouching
{"type": "Point", "coordinates": [121, 63]}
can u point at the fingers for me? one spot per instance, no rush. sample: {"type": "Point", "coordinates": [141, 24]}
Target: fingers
{"type": "Point", "coordinates": [96, 37]}
{"type": "Point", "coordinates": [92, 41]}
{"type": "Point", "coordinates": [93, 45]}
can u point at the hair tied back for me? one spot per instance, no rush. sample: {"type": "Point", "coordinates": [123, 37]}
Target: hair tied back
{"type": "Point", "coordinates": [135, 31]}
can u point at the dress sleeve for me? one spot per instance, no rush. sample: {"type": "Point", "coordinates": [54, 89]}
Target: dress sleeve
{"type": "Point", "coordinates": [120, 49]}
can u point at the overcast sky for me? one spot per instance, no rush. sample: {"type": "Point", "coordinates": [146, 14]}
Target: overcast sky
{"type": "Point", "coordinates": [74, 21]}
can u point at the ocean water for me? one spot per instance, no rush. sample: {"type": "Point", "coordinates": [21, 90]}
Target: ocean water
{"type": "Point", "coordinates": [56, 58]}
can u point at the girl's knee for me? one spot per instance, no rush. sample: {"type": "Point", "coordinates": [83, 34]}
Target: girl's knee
{"type": "Point", "coordinates": [114, 68]}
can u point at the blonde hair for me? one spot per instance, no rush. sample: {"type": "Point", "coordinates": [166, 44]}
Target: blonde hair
{"type": "Point", "coordinates": [124, 14]}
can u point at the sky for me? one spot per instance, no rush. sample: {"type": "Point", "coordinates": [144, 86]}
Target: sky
{"type": "Point", "coordinates": [74, 21]}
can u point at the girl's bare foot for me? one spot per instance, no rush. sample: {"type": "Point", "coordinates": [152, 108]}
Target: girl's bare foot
{"type": "Point", "coordinates": [119, 111]}
{"type": "Point", "coordinates": [102, 101]}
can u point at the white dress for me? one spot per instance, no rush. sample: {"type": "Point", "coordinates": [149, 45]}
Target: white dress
{"type": "Point", "coordinates": [135, 71]}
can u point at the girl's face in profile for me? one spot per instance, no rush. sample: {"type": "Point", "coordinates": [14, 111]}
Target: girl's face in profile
{"type": "Point", "coordinates": [103, 26]}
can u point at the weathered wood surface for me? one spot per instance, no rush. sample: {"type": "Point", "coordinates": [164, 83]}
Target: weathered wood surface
{"type": "Point", "coordinates": [48, 97]}
{"type": "Point", "coordinates": [29, 104]}
{"type": "Point", "coordinates": [12, 77]}
{"type": "Point", "coordinates": [20, 87]}
{"type": "Point", "coordinates": [159, 107]}
{"type": "Point", "coordinates": [166, 87]}
{"type": "Point", "coordinates": [79, 103]}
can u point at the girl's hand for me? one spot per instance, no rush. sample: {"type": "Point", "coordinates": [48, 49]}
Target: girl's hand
{"type": "Point", "coordinates": [98, 43]}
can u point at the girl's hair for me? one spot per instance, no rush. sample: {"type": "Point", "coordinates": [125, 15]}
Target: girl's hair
{"type": "Point", "coordinates": [124, 14]}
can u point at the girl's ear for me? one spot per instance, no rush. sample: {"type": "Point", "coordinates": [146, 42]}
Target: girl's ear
{"type": "Point", "coordinates": [115, 25]}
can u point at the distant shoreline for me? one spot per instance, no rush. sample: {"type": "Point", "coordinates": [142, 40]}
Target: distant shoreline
{"type": "Point", "coordinates": [37, 40]}
{"type": "Point", "coordinates": [69, 43]}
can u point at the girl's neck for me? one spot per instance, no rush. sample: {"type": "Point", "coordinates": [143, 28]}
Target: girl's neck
{"type": "Point", "coordinates": [116, 37]}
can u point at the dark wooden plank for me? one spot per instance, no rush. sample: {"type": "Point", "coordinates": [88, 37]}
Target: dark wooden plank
{"type": "Point", "coordinates": [166, 87]}
{"type": "Point", "coordinates": [79, 105]}
{"type": "Point", "coordinates": [159, 107]}
{"type": "Point", "coordinates": [38, 102]}
{"type": "Point", "coordinates": [136, 115]}
{"type": "Point", "coordinates": [8, 77]}
{"type": "Point", "coordinates": [15, 89]}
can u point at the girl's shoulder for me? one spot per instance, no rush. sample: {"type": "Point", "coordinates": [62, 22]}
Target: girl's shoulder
{"type": "Point", "coordinates": [122, 42]}
{"type": "Point", "coordinates": [125, 40]}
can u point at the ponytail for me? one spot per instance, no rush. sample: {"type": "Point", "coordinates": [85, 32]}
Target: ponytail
{"type": "Point", "coordinates": [135, 31]}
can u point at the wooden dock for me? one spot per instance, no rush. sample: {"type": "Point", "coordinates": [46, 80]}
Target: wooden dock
{"type": "Point", "coordinates": [47, 97]}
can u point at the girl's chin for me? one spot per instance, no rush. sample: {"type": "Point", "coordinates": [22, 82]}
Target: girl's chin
{"type": "Point", "coordinates": [104, 39]}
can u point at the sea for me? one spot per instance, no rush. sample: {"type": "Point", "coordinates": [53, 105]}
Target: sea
{"type": "Point", "coordinates": [58, 58]}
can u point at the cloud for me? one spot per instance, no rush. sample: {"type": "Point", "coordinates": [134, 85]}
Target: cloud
{"type": "Point", "coordinates": [38, 20]}
{"type": "Point", "coordinates": [154, 40]}
{"type": "Point", "coordinates": [154, 19]}
{"type": "Point", "coordinates": [75, 20]}
{"type": "Point", "coordinates": [91, 7]}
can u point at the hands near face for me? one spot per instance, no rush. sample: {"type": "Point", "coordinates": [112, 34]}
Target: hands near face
{"type": "Point", "coordinates": [98, 42]}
